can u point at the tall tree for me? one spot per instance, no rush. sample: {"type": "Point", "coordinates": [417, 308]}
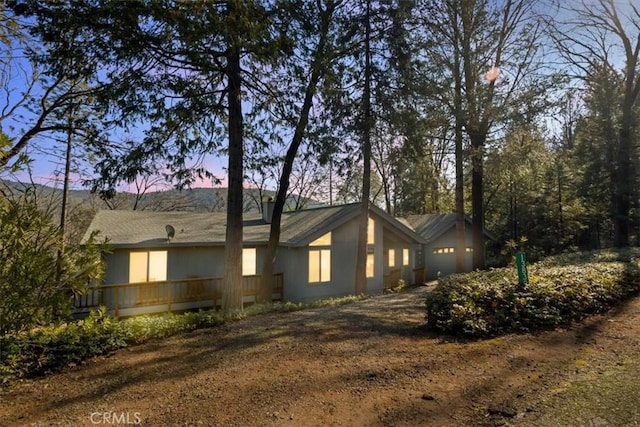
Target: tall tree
{"type": "Point", "coordinates": [475, 36]}
{"type": "Point", "coordinates": [596, 38]}
{"type": "Point", "coordinates": [174, 85]}
{"type": "Point", "coordinates": [319, 57]}
{"type": "Point", "coordinates": [366, 130]}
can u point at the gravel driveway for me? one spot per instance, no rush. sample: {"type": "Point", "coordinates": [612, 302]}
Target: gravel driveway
{"type": "Point", "coordinates": [365, 363]}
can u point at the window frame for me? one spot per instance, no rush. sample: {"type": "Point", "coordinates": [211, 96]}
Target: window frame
{"type": "Point", "coordinates": [150, 259]}
{"type": "Point", "coordinates": [406, 257]}
{"type": "Point", "coordinates": [249, 270]}
{"type": "Point", "coordinates": [391, 254]}
{"type": "Point", "coordinates": [319, 255]}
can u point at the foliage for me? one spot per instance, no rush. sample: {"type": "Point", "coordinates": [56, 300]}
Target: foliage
{"type": "Point", "coordinates": [38, 273]}
{"type": "Point", "coordinates": [562, 289]}
{"type": "Point", "coordinates": [44, 349]}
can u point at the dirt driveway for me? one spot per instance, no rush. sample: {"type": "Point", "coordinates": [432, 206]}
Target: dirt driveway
{"type": "Point", "coordinates": [369, 363]}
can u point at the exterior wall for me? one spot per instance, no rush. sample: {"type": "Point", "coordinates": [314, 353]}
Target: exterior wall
{"type": "Point", "coordinates": [182, 263]}
{"type": "Point", "coordinates": [191, 262]}
{"type": "Point", "coordinates": [294, 262]}
{"type": "Point", "coordinates": [444, 264]}
{"type": "Point", "coordinates": [393, 241]}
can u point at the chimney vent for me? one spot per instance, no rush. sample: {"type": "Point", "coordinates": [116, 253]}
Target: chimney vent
{"type": "Point", "coordinates": [267, 209]}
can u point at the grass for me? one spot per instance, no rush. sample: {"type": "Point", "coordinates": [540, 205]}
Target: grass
{"type": "Point", "coordinates": [608, 397]}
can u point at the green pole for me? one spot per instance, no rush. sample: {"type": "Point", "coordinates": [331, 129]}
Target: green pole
{"type": "Point", "coordinates": [521, 263]}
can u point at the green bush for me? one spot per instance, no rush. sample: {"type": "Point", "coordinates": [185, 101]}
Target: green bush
{"type": "Point", "coordinates": [561, 290]}
{"type": "Point", "coordinates": [44, 349]}
{"type": "Point", "coordinates": [39, 273]}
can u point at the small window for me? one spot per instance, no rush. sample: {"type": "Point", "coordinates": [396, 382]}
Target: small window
{"type": "Point", "coordinates": [392, 257]}
{"type": "Point", "coordinates": [444, 250]}
{"type": "Point", "coordinates": [319, 266]}
{"type": "Point", "coordinates": [468, 249]}
{"type": "Point", "coordinates": [405, 257]}
{"type": "Point", "coordinates": [249, 261]}
{"type": "Point", "coordinates": [370, 265]}
{"type": "Point", "coordinates": [371, 231]}
{"type": "Point", "coordinates": [324, 240]}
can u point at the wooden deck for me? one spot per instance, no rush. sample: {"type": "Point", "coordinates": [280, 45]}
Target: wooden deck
{"type": "Point", "coordinates": [130, 299]}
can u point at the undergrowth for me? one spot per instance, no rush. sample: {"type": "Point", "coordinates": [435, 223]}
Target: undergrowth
{"type": "Point", "coordinates": [561, 289]}
{"type": "Point", "coordinates": [46, 349]}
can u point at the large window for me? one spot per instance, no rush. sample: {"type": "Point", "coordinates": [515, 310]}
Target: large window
{"type": "Point", "coordinates": [147, 266]}
{"type": "Point", "coordinates": [249, 261]}
{"type": "Point", "coordinates": [320, 259]}
{"type": "Point", "coordinates": [370, 265]}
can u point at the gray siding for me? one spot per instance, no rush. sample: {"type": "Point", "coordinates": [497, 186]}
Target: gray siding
{"type": "Point", "coordinates": [445, 264]}
{"type": "Point", "coordinates": [294, 262]}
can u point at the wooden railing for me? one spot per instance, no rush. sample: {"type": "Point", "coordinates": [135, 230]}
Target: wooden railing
{"type": "Point", "coordinates": [391, 280]}
{"type": "Point", "coordinates": [174, 294]}
{"type": "Point", "coordinates": [419, 275]}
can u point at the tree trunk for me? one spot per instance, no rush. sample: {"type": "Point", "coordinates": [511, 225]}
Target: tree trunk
{"type": "Point", "coordinates": [317, 70]}
{"type": "Point", "coordinates": [232, 286]}
{"type": "Point", "coordinates": [460, 222]}
{"type": "Point", "coordinates": [361, 256]}
{"type": "Point", "coordinates": [623, 182]}
{"type": "Point", "coordinates": [477, 208]}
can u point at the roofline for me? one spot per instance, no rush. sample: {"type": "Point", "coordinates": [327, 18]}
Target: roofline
{"type": "Point", "coordinates": [397, 224]}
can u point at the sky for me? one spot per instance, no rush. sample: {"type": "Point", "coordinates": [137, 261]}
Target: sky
{"type": "Point", "coordinates": [46, 153]}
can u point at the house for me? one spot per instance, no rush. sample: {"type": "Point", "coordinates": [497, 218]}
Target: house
{"type": "Point", "coordinates": [161, 261]}
{"type": "Point", "coordinates": [437, 253]}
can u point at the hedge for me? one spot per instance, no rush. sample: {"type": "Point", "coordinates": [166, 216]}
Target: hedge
{"type": "Point", "coordinates": [561, 290]}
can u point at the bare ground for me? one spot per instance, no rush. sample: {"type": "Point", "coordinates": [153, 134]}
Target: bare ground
{"type": "Point", "coordinates": [370, 363]}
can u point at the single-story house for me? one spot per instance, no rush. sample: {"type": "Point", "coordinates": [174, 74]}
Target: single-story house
{"type": "Point", "coordinates": [437, 253]}
{"type": "Point", "coordinates": [161, 261]}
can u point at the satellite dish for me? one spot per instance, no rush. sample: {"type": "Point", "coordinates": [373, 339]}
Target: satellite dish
{"type": "Point", "coordinates": [170, 231]}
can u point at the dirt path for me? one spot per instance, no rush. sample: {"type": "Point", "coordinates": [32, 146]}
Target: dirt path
{"type": "Point", "coordinates": [364, 364]}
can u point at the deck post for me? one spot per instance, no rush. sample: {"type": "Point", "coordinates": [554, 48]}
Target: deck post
{"type": "Point", "coordinates": [117, 302]}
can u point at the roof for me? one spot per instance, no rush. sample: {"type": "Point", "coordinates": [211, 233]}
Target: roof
{"type": "Point", "coordinates": [298, 228]}
{"type": "Point", "coordinates": [431, 226]}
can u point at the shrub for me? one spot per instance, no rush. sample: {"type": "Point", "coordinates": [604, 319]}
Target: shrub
{"type": "Point", "coordinates": [562, 289]}
{"type": "Point", "coordinates": [37, 277]}
{"type": "Point", "coordinates": [47, 348]}
{"type": "Point", "coordinates": [44, 349]}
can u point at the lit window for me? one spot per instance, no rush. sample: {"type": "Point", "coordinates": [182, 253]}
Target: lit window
{"type": "Point", "coordinates": [249, 261]}
{"type": "Point", "coordinates": [370, 265]}
{"type": "Point", "coordinates": [324, 240]}
{"type": "Point", "coordinates": [392, 257]}
{"type": "Point", "coordinates": [405, 256]}
{"type": "Point", "coordinates": [371, 231]}
{"type": "Point", "coordinates": [444, 250]}
{"type": "Point", "coordinates": [468, 249]}
{"type": "Point", "coordinates": [147, 266]}
{"type": "Point", "coordinates": [320, 260]}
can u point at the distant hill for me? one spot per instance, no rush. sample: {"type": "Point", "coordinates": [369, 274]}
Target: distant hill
{"type": "Point", "coordinates": [83, 205]}
{"type": "Point", "coordinates": [194, 199]}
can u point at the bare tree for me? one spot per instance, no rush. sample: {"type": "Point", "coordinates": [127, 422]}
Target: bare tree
{"type": "Point", "coordinates": [475, 36]}
{"type": "Point", "coordinates": [602, 38]}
